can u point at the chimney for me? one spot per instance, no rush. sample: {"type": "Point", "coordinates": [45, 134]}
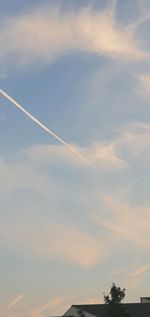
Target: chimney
{"type": "Point", "coordinates": [145, 300]}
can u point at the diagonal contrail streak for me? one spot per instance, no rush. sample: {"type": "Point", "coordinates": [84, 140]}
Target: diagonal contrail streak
{"type": "Point", "coordinates": [28, 114]}
{"type": "Point", "coordinates": [15, 301]}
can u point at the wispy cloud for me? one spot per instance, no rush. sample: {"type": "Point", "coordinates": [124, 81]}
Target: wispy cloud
{"type": "Point", "coordinates": [37, 308]}
{"type": "Point", "coordinates": [143, 86]}
{"type": "Point", "coordinates": [15, 301]}
{"type": "Point", "coordinates": [26, 174]}
{"type": "Point", "coordinates": [102, 155]}
{"type": "Point", "coordinates": [137, 275]}
{"type": "Point", "coordinates": [49, 33]}
{"type": "Point", "coordinates": [140, 270]}
{"type": "Point", "coordinates": [3, 73]}
{"type": "Point", "coordinates": [132, 275]}
{"type": "Point", "coordinates": [67, 242]}
{"type": "Point", "coordinates": [122, 223]}
{"type": "Point", "coordinates": [16, 175]}
{"type": "Point", "coordinates": [56, 242]}
{"type": "Point", "coordinates": [51, 307]}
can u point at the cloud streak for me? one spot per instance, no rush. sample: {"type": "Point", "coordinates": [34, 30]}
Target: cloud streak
{"type": "Point", "coordinates": [54, 241]}
{"type": "Point", "coordinates": [144, 85]}
{"type": "Point", "coordinates": [137, 275]}
{"type": "Point", "coordinates": [122, 224]}
{"type": "Point", "coordinates": [55, 136]}
{"type": "Point", "coordinates": [52, 306]}
{"type": "Point", "coordinates": [49, 34]}
{"type": "Point", "coordinates": [101, 155]}
{"type": "Point", "coordinates": [15, 301]}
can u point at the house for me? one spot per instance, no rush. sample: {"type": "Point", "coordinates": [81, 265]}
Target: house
{"type": "Point", "coordinates": [141, 309]}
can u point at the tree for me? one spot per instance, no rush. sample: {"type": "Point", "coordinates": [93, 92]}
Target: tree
{"type": "Point", "coordinates": [114, 307]}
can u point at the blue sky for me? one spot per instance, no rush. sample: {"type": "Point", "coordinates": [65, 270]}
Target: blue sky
{"type": "Point", "coordinates": [68, 230]}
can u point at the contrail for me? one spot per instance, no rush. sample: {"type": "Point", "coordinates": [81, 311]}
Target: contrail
{"type": "Point", "coordinates": [15, 301]}
{"type": "Point", "coordinates": [28, 114]}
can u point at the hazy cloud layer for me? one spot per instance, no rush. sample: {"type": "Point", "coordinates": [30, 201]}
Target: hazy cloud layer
{"type": "Point", "coordinates": [58, 241]}
{"type": "Point", "coordinates": [54, 242]}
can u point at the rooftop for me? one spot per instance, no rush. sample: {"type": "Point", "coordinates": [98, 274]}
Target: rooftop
{"type": "Point", "coordinates": [134, 309]}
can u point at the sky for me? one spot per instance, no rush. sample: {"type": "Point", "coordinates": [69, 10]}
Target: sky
{"type": "Point", "coordinates": [69, 229]}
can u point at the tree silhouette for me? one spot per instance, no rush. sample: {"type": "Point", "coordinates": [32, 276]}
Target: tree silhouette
{"type": "Point", "coordinates": [114, 307]}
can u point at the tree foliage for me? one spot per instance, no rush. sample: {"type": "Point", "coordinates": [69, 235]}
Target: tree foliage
{"type": "Point", "coordinates": [114, 307]}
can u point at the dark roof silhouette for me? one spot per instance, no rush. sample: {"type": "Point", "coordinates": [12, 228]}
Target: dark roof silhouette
{"type": "Point", "coordinates": [134, 310]}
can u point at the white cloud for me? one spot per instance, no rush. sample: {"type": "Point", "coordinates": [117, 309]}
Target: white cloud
{"type": "Point", "coordinates": [135, 278]}
{"type": "Point", "coordinates": [132, 275]}
{"type": "Point", "coordinates": [132, 145]}
{"type": "Point", "coordinates": [14, 307]}
{"type": "Point", "coordinates": [25, 173]}
{"type": "Point", "coordinates": [53, 306]}
{"type": "Point", "coordinates": [140, 270]}
{"type": "Point", "coordinates": [22, 175]}
{"type": "Point", "coordinates": [101, 155]}
{"type": "Point", "coordinates": [35, 308]}
{"type": "Point", "coordinates": [125, 218]}
{"type": "Point", "coordinates": [54, 241]}
{"type": "Point", "coordinates": [30, 172]}
{"type": "Point", "coordinates": [15, 301]}
{"type": "Point", "coordinates": [3, 73]}
{"type": "Point", "coordinates": [144, 85]}
{"type": "Point", "coordinates": [50, 239]}
{"type": "Point", "coordinates": [46, 34]}
{"type": "Point", "coordinates": [127, 222]}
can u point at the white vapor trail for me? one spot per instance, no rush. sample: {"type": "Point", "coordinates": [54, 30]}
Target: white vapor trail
{"type": "Point", "coordinates": [15, 301]}
{"type": "Point", "coordinates": [28, 114]}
